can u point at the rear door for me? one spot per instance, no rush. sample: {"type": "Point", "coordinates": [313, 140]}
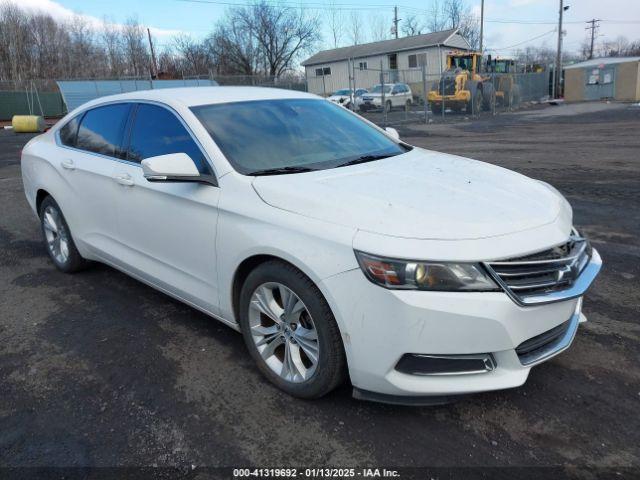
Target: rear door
{"type": "Point", "coordinates": [168, 229]}
{"type": "Point", "coordinates": [92, 147]}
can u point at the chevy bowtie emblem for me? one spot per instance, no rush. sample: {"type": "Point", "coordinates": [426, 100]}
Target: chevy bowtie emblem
{"type": "Point", "coordinates": [567, 269]}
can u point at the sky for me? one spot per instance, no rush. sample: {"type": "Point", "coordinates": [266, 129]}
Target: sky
{"type": "Point", "coordinates": [509, 24]}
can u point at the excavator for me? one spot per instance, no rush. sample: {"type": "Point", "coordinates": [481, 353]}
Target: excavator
{"type": "Point", "coordinates": [462, 85]}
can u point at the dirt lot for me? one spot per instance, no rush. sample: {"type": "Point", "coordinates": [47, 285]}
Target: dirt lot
{"type": "Point", "coordinates": [97, 369]}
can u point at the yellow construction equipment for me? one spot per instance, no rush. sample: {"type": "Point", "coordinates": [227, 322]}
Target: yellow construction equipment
{"type": "Point", "coordinates": [504, 80]}
{"type": "Point", "coordinates": [462, 86]}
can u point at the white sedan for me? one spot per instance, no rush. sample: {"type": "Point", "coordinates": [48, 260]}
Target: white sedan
{"type": "Point", "coordinates": [339, 251]}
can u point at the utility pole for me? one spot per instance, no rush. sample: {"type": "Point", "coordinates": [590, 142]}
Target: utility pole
{"type": "Point", "coordinates": [481, 23]}
{"type": "Point", "coordinates": [396, 20]}
{"type": "Point", "coordinates": [154, 65]}
{"type": "Point", "coordinates": [558, 69]}
{"type": "Point", "coordinates": [594, 28]}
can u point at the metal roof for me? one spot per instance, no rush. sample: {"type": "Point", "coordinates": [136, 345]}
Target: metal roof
{"type": "Point", "coordinates": [78, 92]}
{"type": "Point", "coordinates": [594, 62]}
{"type": "Point", "coordinates": [382, 47]}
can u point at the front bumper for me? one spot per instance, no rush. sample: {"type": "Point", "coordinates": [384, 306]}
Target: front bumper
{"type": "Point", "coordinates": [380, 326]}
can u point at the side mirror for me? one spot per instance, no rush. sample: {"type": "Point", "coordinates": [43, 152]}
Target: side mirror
{"type": "Point", "coordinates": [174, 167]}
{"type": "Point", "coordinates": [392, 132]}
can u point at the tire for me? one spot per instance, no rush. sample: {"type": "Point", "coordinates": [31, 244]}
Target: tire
{"type": "Point", "coordinates": [436, 109]}
{"type": "Point", "coordinates": [488, 97]}
{"type": "Point", "coordinates": [58, 239]}
{"type": "Point", "coordinates": [474, 106]}
{"type": "Point", "coordinates": [261, 301]}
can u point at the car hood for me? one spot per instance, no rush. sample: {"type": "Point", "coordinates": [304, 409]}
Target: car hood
{"type": "Point", "coordinates": [419, 195]}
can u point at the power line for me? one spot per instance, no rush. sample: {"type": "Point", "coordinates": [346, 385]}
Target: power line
{"type": "Point", "coordinates": [526, 41]}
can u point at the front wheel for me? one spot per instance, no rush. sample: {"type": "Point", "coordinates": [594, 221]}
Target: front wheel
{"type": "Point", "coordinates": [290, 331]}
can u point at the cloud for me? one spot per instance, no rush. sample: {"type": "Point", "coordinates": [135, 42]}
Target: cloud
{"type": "Point", "coordinates": [62, 13]}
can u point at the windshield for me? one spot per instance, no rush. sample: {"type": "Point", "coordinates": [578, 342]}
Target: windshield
{"type": "Point", "coordinates": [292, 134]}
{"type": "Point", "coordinates": [464, 63]}
{"type": "Point", "coordinates": [343, 92]}
{"type": "Point", "coordinates": [378, 89]}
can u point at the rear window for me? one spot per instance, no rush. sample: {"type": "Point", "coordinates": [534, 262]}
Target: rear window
{"type": "Point", "coordinates": [102, 130]}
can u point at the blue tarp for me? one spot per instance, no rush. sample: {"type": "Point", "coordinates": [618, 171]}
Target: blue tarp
{"type": "Point", "coordinates": [77, 92]}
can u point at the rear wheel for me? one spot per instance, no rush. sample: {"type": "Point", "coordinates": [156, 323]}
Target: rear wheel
{"type": "Point", "coordinates": [290, 331]}
{"type": "Point", "coordinates": [57, 237]}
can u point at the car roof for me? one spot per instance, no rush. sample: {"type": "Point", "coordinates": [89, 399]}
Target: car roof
{"type": "Point", "coordinates": [193, 96]}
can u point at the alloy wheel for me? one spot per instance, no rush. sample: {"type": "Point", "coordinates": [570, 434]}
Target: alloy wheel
{"type": "Point", "coordinates": [56, 234]}
{"type": "Point", "coordinates": [283, 332]}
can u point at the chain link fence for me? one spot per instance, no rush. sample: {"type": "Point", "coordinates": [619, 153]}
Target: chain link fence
{"type": "Point", "coordinates": [391, 97]}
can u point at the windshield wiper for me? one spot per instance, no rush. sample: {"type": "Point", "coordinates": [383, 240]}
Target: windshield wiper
{"type": "Point", "coordinates": [367, 158]}
{"type": "Point", "coordinates": [281, 171]}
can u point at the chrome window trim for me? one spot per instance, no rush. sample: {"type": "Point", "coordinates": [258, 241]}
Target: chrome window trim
{"type": "Point", "coordinates": [127, 162]}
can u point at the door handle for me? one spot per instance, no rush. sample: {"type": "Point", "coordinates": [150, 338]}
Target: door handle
{"type": "Point", "coordinates": [68, 164]}
{"type": "Point", "coordinates": [124, 179]}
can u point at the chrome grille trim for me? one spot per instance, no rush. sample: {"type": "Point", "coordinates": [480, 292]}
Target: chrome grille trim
{"type": "Point", "coordinates": [559, 273]}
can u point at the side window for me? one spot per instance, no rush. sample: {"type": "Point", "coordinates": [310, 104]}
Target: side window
{"type": "Point", "coordinates": [69, 132]}
{"type": "Point", "coordinates": [157, 131]}
{"type": "Point", "coordinates": [102, 130]}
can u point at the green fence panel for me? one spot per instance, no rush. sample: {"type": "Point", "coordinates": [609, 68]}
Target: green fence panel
{"type": "Point", "coordinates": [16, 103]}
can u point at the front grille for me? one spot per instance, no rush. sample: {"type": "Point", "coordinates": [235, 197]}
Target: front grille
{"type": "Point", "coordinates": [552, 270]}
{"type": "Point", "coordinates": [535, 348]}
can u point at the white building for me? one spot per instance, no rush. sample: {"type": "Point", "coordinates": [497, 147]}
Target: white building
{"type": "Point", "coordinates": [401, 59]}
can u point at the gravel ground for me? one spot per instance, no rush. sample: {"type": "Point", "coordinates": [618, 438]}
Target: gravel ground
{"type": "Point", "coordinates": [97, 369]}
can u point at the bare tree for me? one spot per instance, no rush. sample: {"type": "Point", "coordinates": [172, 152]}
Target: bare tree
{"type": "Point", "coordinates": [195, 55]}
{"type": "Point", "coordinates": [378, 28]}
{"type": "Point", "coordinates": [412, 26]}
{"type": "Point", "coordinates": [135, 48]}
{"type": "Point", "coordinates": [355, 29]}
{"type": "Point", "coordinates": [336, 25]}
{"type": "Point", "coordinates": [282, 33]}
{"type": "Point", "coordinates": [233, 48]}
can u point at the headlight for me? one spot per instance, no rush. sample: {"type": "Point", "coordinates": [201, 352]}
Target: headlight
{"type": "Point", "coordinates": [435, 276]}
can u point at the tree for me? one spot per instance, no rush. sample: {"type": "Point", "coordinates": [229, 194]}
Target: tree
{"type": "Point", "coordinates": [135, 48]}
{"type": "Point", "coordinates": [412, 26]}
{"type": "Point", "coordinates": [283, 34]}
{"type": "Point", "coordinates": [355, 28]}
{"type": "Point", "coordinates": [336, 27]}
{"type": "Point", "coordinates": [378, 28]}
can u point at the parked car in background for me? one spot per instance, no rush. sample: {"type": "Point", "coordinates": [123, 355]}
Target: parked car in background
{"type": "Point", "coordinates": [346, 97]}
{"type": "Point", "coordinates": [338, 250]}
{"type": "Point", "coordinates": [395, 95]}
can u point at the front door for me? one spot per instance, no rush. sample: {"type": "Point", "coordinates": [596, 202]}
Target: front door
{"type": "Point", "coordinates": [168, 229]}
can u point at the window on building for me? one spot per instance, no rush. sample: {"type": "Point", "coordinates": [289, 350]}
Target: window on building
{"type": "Point", "coordinates": [363, 65]}
{"type": "Point", "coordinates": [417, 60]}
{"type": "Point", "coordinates": [320, 72]}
